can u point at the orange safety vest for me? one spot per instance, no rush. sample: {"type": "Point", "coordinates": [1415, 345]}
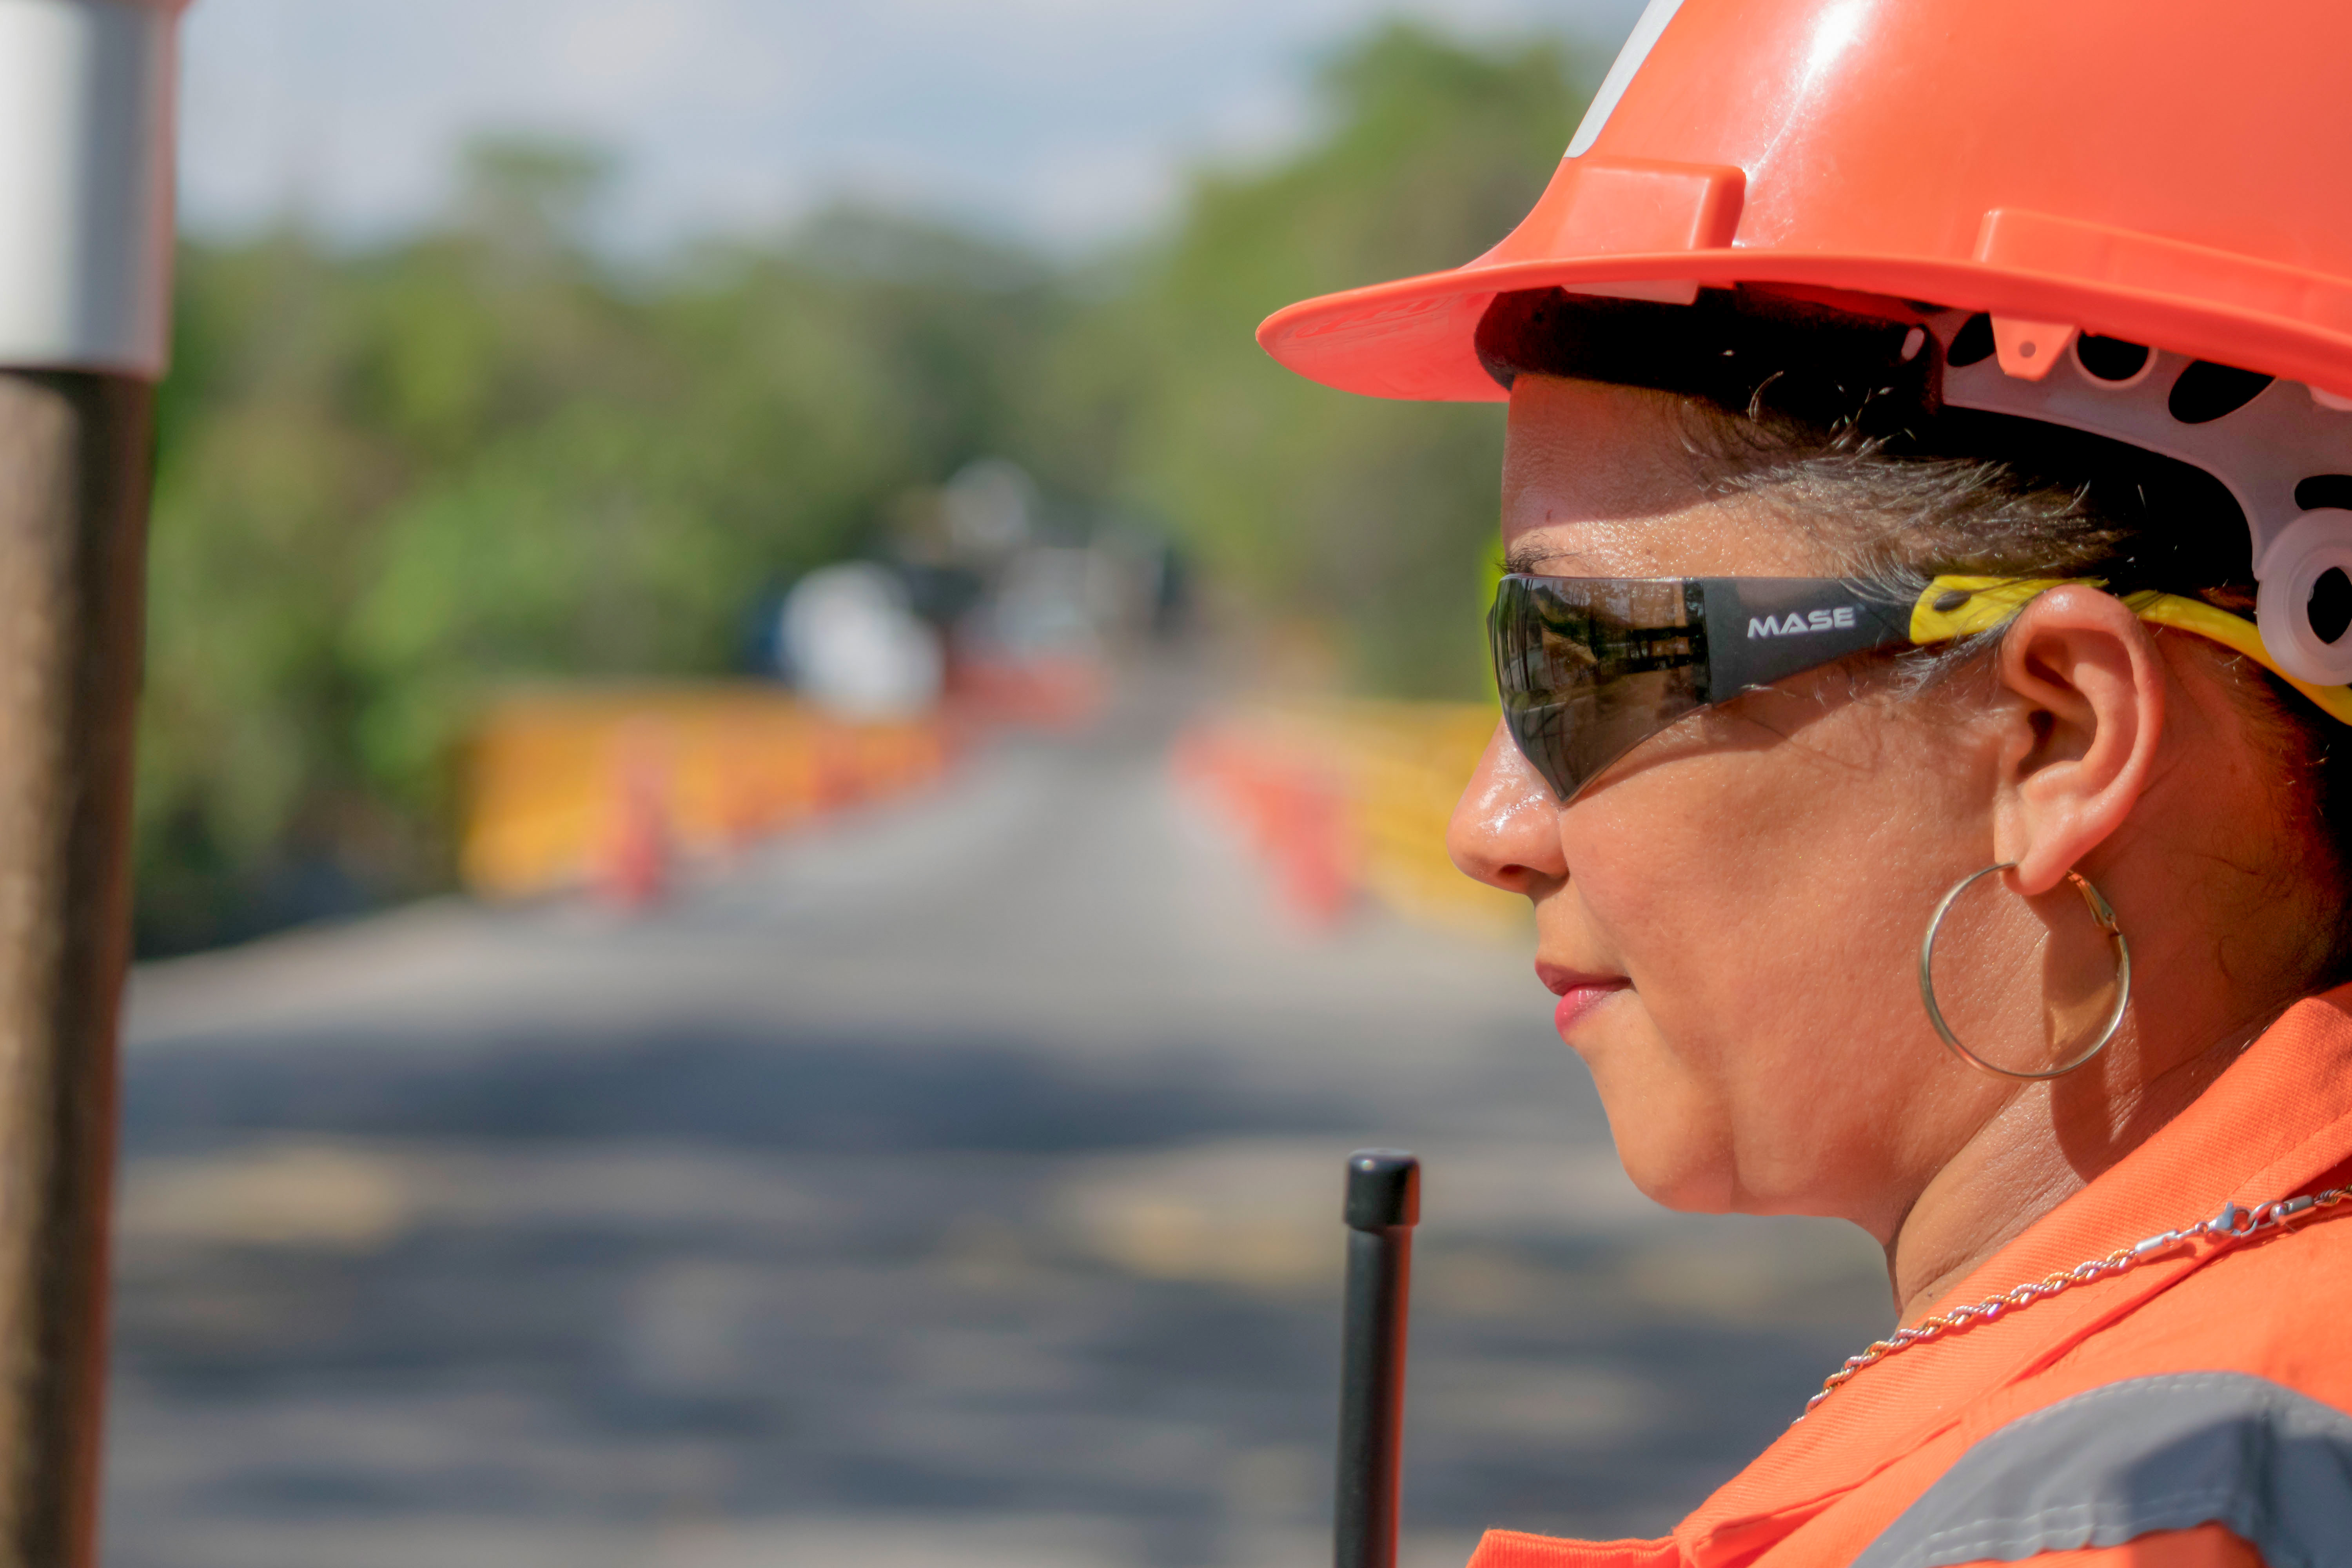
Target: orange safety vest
{"type": "Point", "coordinates": [2189, 1413]}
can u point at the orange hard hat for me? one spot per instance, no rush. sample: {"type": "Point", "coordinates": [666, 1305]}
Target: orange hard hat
{"type": "Point", "coordinates": [2166, 172]}
{"type": "Point", "coordinates": [2142, 200]}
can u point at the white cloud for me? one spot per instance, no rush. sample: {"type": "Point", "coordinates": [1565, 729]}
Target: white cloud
{"type": "Point", "coordinates": [1066, 120]}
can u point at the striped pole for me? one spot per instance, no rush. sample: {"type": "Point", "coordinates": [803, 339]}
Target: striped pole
{"type": "Point", "coordinates": [86, 91]}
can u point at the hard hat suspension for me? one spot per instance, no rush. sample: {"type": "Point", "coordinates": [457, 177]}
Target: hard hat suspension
{"type": "Point", "coordinates": [2276, 444]}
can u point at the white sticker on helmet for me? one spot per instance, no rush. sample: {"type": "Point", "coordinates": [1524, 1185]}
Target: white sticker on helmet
{"type": "Point", "coordinates": [1653, 20]}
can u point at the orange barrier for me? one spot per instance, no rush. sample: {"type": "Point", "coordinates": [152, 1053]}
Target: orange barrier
{"type": "Point", "coordinates": [1346, 800]}
{"type": "Point", "coordinates": [604, 788]}
{"type": "Point", "coordinates": [1291, 807]}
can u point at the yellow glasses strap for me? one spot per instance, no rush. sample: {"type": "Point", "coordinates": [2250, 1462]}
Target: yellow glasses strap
{"type": "Point", "coordinates": [1986, 602]}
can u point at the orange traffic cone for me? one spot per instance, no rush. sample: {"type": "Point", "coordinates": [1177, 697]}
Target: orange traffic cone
{"type": "Point", "coordinates": [634, 870]}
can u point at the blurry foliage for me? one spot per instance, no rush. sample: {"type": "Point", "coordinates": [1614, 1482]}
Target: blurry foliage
{"type": "Point", "coordinates": [389, 480]}
{"type": "Point", "coordinates": [1375, 514]}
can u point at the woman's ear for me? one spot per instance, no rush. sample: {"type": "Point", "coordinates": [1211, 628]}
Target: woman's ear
{"type": "Point", "coordinates": [2085, 689]}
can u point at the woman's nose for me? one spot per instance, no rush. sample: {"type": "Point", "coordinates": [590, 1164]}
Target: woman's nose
{"type": "Point", "coordinates": [1506, 827]}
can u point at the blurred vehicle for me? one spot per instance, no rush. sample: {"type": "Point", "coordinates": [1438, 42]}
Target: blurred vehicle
{"type": "Point", "coordinates": [851, 641]}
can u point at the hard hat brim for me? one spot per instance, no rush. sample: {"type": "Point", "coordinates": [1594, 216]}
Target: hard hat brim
{"type": "Point", "coordinates": [1412, 337]}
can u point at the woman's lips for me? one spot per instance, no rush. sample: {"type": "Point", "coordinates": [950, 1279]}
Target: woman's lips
{"type": "Point", "coordinates": [1578, 1000]}
{"type": "Point", "coordinates": [1579, 993]}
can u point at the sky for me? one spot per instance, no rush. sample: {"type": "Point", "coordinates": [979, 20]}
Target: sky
{"type": "Point", "coordinates": [1066, 123]}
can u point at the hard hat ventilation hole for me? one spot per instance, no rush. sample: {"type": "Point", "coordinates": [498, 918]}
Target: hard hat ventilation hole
{"type": "Point", "coordinates": [1972, 343]}
{"type": "Point", "coordinates": [2324, 492]}
{"type": "Point", "coordinates": [2111, 359]}
{"type": "Point", "coordinates": [2207, 391]}
{"type": "Point", "coordinates": [2330, 607]}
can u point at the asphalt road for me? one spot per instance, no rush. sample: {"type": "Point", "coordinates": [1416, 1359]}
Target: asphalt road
{"type": "Point", "coordinates": [956, 1185]}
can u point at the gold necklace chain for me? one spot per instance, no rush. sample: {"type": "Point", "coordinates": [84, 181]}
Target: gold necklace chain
{"type": "Point", "coordinates": [2232, 1225]}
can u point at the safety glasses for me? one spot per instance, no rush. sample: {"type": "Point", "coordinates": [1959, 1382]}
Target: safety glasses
{"type": "Point", "coordinates": [1588, 668]}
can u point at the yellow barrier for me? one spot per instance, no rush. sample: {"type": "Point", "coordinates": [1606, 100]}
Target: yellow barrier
{"type": "Point", "coordinates": [1353, 797]}
{"type": "Point", "coordinates": [601, 786]}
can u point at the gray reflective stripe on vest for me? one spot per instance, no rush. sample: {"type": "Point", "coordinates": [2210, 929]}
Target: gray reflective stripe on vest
{"type": "Point", "coordinates": [2148, 1454]}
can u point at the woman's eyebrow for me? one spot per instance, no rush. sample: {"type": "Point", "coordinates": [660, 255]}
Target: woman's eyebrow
{"type": "Point", "coordinates": [1526, 556]}
{"type": "Point", "coordinates": [1529, 557]}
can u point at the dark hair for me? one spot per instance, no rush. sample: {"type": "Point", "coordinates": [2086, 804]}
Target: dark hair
{"type": "Point", "coordinates": [1830, 414]}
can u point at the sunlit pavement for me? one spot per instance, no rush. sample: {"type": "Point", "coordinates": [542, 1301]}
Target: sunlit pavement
{"type": "Point", "coordinates": [956, 1185]}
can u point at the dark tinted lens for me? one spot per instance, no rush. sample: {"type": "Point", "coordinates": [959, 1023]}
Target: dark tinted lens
{"type": "Point", "coordinates": [1588, 668]}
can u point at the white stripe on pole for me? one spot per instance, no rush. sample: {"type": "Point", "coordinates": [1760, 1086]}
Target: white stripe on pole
{"type": "Point", "coordinates": [86, 89]}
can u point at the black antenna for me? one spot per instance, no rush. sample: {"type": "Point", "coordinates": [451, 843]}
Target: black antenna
{"type": "Point", "coordinates": [1383, 1205]}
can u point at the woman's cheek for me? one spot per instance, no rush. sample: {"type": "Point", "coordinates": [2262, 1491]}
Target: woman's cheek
{"type": "Point", "coordinates": [1668, 1121]}
{"type": "Point", "coordinates": [1671, 907]}
{"type": "Point", "coordinates": [1652, 1050]}
{"type": "Point", "coordinates": [1679, 873]}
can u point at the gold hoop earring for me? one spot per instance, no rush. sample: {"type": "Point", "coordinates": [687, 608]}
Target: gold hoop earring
{"type": "Point", "coordinates": [2100, 912]}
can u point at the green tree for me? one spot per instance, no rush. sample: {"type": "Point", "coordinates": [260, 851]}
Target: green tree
{"type": "Point", "coordinates": [389, 481]}
{"type": "Point", "coordinates": [392, 479]}
{"type": "Point", "coordinates": [1372, 515]}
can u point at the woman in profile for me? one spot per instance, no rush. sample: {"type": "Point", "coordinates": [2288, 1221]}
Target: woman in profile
{"type": "Point", "coordinates": [1926, 740]}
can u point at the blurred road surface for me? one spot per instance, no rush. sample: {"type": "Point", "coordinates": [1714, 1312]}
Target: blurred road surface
{"type": "Point", "coordinates": [956, 1185]}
